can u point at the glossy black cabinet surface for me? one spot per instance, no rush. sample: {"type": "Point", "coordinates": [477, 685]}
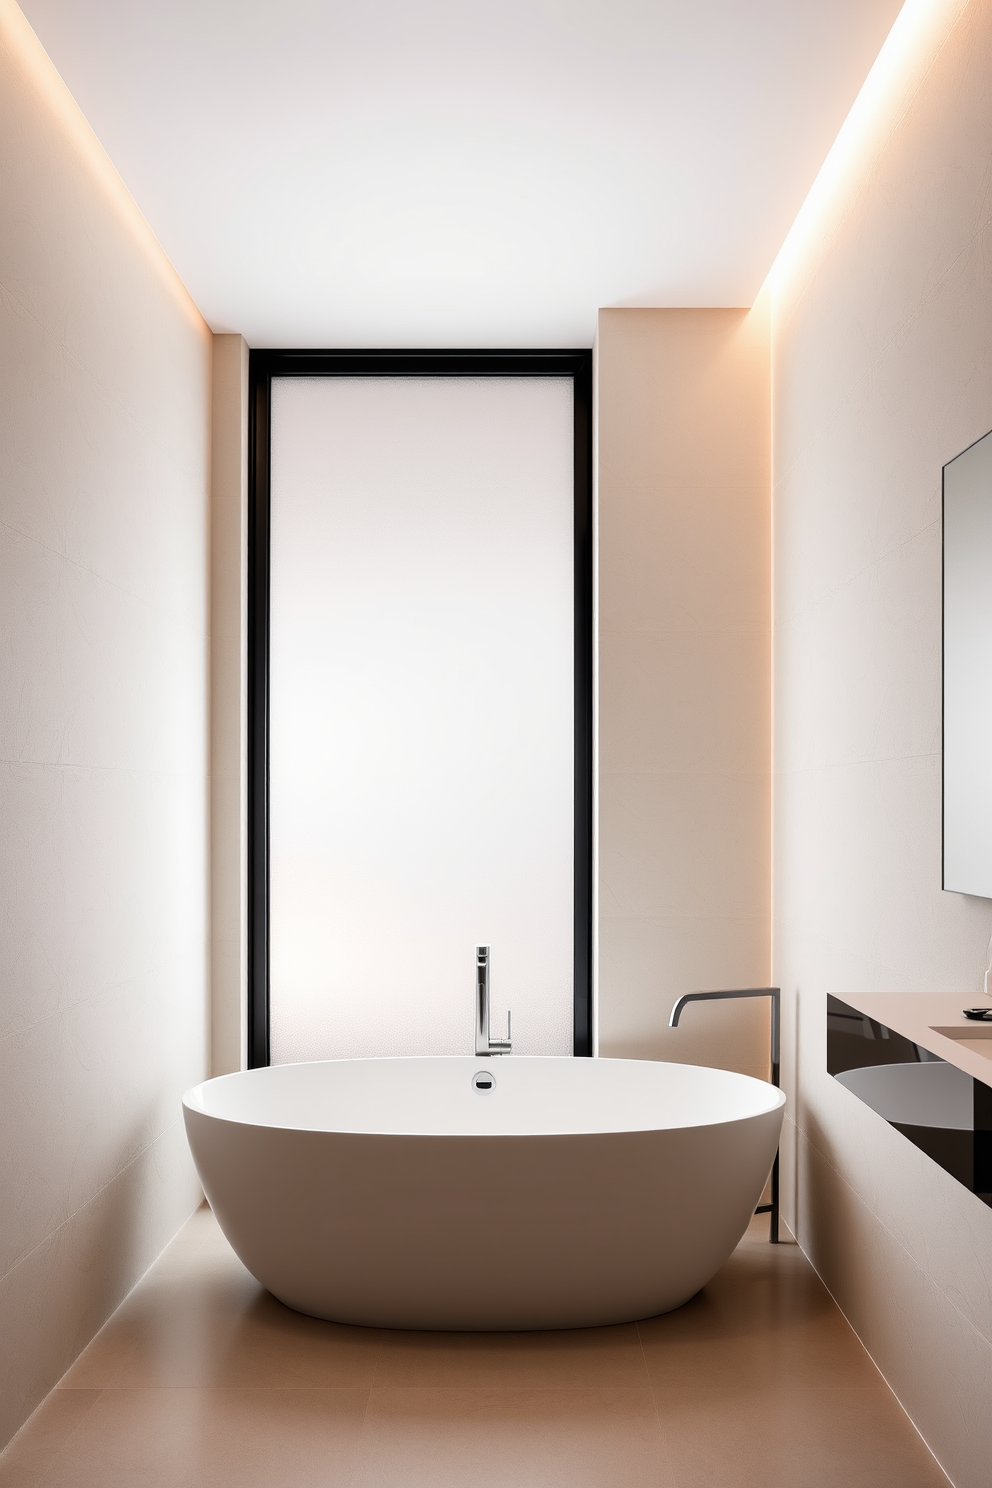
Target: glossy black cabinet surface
{"type": "Point", "coordinates": [938, 1107]}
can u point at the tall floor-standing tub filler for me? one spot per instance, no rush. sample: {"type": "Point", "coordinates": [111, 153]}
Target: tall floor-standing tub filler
{"type": "Point", "coordinates": [775, 1062]}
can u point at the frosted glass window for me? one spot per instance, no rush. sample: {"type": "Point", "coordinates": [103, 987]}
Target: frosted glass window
{"type": "Point", "coordinates": [421, 712]}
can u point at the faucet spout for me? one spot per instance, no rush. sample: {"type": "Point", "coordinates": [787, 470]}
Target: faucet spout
{"type": "Point", "coordinates": [481, 1000]}
{"type": "Point", "coordinates": [484, 1045]}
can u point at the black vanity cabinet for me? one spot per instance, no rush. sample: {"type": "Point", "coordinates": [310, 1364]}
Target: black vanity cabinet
{"type": "Point", "coordinates": [941, 1109]}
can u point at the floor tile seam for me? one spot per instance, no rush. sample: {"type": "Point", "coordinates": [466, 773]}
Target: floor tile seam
{"type": "Point", "coordinates": [376, 1360]}
{"type": "Point", "coordinates": [142, 1152]}
{"type": "Point", "coordinates": [360, 1438]}
{"type": "Point", "coordinates": [122, 1389]}
{"type": "Point", "coordinates": [881, 1391]}
{"type": "Point", "coordinates": [568, 1386]}
{"type": "Point", "coordinates": [644, 1361]}
{"type": "Point", "coordinates": [782, 1387]}
{"type": "Point", "coordinates": [654, 1402]}
{"type": "Point", "coordinates": [927, 1277]}
{"type": "Point", "coordinates": [506, 1390]}
{"type": "Point", "coordinates": [204, 1389]}
{"type": "Point", "coordinates": [47, 1470]}
{"type": "Point", "coordinates": [664, 1432]}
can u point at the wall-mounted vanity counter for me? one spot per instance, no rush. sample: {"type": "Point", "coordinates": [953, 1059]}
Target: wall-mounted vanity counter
{"type": "Point", "coordinates": [917, 1061]}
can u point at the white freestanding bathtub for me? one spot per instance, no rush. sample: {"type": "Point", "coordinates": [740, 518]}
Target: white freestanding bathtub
{"type": "Point", "coordinates": [397, 1193]}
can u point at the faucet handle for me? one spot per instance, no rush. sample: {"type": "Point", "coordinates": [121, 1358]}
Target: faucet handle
{"type": "Point", "coordinates": [502, 1046]}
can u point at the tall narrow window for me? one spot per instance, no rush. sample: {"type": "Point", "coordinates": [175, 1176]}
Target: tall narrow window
{"type": "Point", "coordinates": [421, 743]}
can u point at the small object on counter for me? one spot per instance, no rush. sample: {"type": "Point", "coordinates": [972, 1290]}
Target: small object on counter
{"type": "Point", "coordinates": [979, 1014]}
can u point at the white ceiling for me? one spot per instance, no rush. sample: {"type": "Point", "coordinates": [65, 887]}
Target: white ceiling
{"type": "Point", "coordinates": [463, 172]}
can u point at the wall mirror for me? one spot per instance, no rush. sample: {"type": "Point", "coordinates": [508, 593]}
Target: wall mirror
{"type": "Point", "coordinates": [967, 503]}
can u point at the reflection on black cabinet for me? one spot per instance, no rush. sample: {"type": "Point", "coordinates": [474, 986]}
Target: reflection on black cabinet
{"type": "Point", "coordinates": [945, 1112]}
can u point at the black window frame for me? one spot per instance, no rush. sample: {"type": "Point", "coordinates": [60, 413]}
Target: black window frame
{"type": "Point", "coordinates": [264, 365]}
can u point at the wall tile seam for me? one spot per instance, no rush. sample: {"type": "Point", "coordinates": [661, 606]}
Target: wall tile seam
{"type": "Point", "coordinates": [811, 615]}
{"type": "Point", "coordinates": [829, 419]}
{"type": "Point", "coordinates": [126, 410]}
{"type": "Point", "coordinates": [625, 492]}
{"type": "Point", "coordinates": [153, 606]}
{"type": "Point", "coordinates": [902, 325]}
{"type": "Point", "coordinates": [12, 1028]}
{"type": "Point", "coordinates": [623, 776]}
{"type": "Point", "coordinates": [905, 980]}
{"type": "Point", "coordinates": [784, 484]}
{"type": "Point", "coordinates": [162, 770]}
{"type": "Point", "coordinates": [14, 1031]}
{"type": "Point", "coordinates": [935, 1285]}
{"type": "Point", "coordinates": [231, 638]}
{"type": "Point", "coordinates": [14, 287]}
{"type": "Point", "coordinates": [133, 981]}
{"type": "Point", "coordinates": [807, 772]}
{"type": "Point", "coordinates": [197, 773]}
{"type": "Point", "coordinates": [866, 173]}
{"type": "Point", "coordinates": [805, 612]}
{"type": "Point", "coordinates": [686, 772]}
{"type": "Point", "coordinates": [757, 631]}
{"type": "Point", "coordinates": [733, 472]}
{"type": "Point", "coordinates": [93, 1198]}
{"type": "Point", "coordinates": [622, 670]}
{"type": "Point", "coordinates": [892, 973]}
{"type": "Point", "coordinates": [191, 475]}
{"type": "Point", "coordinates": [742, 917]}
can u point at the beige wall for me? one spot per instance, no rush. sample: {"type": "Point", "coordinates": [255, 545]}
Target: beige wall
{"type": "Point", "coordinates": [684, 680]}
{"type": "Point", "coordinates": [228, 705]}
{"type": "Point", "coordinates": [882, 351]}
{"type": "Point", "coordinates": [104, 408]}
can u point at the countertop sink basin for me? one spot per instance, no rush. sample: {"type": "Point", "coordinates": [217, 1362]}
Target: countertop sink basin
{"type": "Point", "coordinates": [974, 1036]}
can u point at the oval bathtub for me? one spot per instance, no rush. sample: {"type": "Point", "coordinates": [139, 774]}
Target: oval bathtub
{"type": "Point", "coordinates": [395, 1193]}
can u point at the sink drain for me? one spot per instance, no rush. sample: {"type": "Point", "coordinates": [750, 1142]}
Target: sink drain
{"type": "Point", "coordinates": [483, 1082]}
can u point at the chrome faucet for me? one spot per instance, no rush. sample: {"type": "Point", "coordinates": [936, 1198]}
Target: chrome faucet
{"type": "Point", "coordinates": [483, 1043]}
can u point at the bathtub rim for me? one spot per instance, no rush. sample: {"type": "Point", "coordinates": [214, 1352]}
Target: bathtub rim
{"type": "Point", "coordinates": [775, 1100]}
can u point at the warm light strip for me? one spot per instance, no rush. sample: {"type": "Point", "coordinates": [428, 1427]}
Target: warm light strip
{"type": "Point", "coordinates": [920, 31]}
{"type": "Point", "coordinates": [37, 68]}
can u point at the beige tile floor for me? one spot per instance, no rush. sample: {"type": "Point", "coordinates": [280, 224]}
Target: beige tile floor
{"type": "Point", "coordinates": [203, 1380]}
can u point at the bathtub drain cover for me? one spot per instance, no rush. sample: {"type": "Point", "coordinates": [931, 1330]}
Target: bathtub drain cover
{"type": "Point", "coordinates": [483, 1082]}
